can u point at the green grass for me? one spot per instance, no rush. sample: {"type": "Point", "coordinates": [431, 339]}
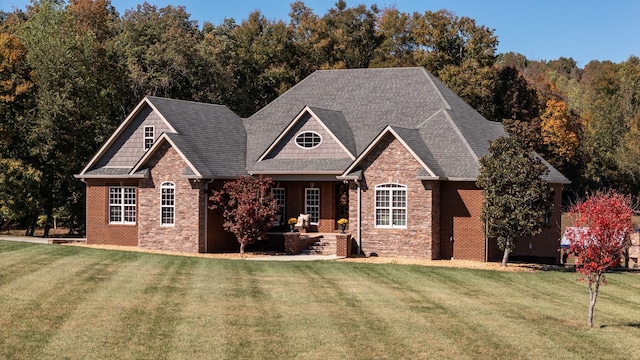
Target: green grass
{"type": "Point", "coordinates": [78, 303]}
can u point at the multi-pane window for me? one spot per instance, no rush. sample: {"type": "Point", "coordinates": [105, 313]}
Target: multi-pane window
{"type": "Point", "coordinates": [278, 194]}
{"type": "Point", "coordinates": [149, 137]}
{"type": "Point", "coordinates": [167, 203]}
{"type": "Point", "coordinates": [122, 205]}
{"type": "Point", "coordinates": [312, 204]}
{"type": "Point", "coordinates": [391, 206]}
{"type": "Point", "coordinates": [308, 139]}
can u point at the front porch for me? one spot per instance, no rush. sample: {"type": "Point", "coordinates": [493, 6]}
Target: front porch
{"type": "Point", "coordinates": [296, 243]}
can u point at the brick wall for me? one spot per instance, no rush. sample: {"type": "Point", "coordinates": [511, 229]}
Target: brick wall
{"type": "Point", "coordinates": [462, 231]}
{"type": "Point", "coordinates": [390, 162]}
{"type": "Point", "coordinates": [547, 244]}
{"type": "Point", "coordinates": [218, 239]}
{"type": "Point", "coordinates": [99, 231]}
{"type": "Point", "coordinates": [187, 235]}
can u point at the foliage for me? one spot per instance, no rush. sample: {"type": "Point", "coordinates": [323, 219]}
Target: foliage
{"type": "Point", "coordinates": [72, 70]}
{"type": "Point", "coordinates": [247, 207]}
{"type": "Point", "coordinates": [602, 225]}
{"type": "Point", "coordinates": [517, 200]}
{"type": "Point", "coordinates": [19, 191]}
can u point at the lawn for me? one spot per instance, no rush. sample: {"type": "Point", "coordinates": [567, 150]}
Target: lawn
{"type": "Point", "coordinates": [82, 303]}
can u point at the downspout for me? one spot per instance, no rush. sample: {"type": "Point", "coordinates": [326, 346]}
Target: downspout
{"type": "Point", "coordinates": [486, 241]}
{"type": "Point", "coordinates": [206, 214]}
{"type": "Point", "coordinates": [359, 227]}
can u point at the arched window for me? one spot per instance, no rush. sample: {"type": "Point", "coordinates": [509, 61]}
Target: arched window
{"type": "Point", "coordinates": [308, 139]}
{"type": "Point", "coordinates": [391, 206]}
{"type": "Point", "coordinates": [167, 203]}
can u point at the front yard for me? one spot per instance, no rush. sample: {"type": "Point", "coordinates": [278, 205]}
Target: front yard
{"type": "Point", "coordinates": [78, 302]}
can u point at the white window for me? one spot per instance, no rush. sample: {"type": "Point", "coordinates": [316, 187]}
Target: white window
{"type": "Point", "coordinates": [278, 194]}
{"type": "Point", "coordinates": [149, 137]}
{"type": "Point", "coordinates": [391, 206]}
{"type": "Point", "coordinates": [312, 204]}
{"type": "Point", "coordinates": [308, 139]}
{"type": "Point", "coordinates": [167, 203]}
{"type": "Point", "coordinates": [122, 205]}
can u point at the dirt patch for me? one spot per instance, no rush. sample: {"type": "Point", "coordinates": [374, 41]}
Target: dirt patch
{"type": "Point", "coordinates": [465, 264]}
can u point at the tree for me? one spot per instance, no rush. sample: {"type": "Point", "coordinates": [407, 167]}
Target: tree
{"type": "Point", "coordinates": [602, 224]}
{"type": "Point", "coordinates": [247, 207]}
{"type": "Point", "coordinates": [517, 200]}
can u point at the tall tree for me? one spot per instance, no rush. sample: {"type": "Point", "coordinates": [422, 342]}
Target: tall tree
{"type": "Point", "coordinates": [247, 207]}
{"type": "Point", "coordinates": [517, 200]}
{"type": "Point", "coordinates": [352, 35]}
{"type": "Point", "coordinates": [72, 103]}
{"type": "Point", "coordinates": [157, 45]}
{"type": "Point", "coordinates": [444, 39]}
{"type": "Point", "coordinates": [602, 224]}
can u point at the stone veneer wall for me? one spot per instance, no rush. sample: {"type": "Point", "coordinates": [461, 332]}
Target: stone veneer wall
{"type": "Point", "coordinates": [390, 162]}
{"type": "Point", "coordinates": [99, 231]}
{"type": "Point", "coordinates": [187, 235]}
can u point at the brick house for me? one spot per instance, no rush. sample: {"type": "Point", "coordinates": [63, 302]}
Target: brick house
{"type": "Point", "coordinates": [393, 150]}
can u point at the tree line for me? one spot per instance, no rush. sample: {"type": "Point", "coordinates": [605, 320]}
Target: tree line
{"type": "Point", "coordinates": [70, 71]}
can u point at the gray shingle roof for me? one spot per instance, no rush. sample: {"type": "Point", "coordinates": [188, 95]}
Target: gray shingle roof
{"type": "Point", "coordinates": [212, 137]}
{"type": "Point", "coordinates": [447, 134]}
{"type": "Point", "coordinates": [338, 125]}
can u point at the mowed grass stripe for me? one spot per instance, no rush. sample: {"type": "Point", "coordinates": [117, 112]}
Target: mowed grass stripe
{"type": "Point", "coordinates": [134, 305]}
{"type": "Point", "coordinates": [37, 304]}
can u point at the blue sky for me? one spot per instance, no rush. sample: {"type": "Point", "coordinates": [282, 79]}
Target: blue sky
{"type": "Point", "coordinates": [541, 30]}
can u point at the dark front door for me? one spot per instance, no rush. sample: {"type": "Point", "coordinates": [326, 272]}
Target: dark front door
{"type": "Point", "coordinates": [342, 201]}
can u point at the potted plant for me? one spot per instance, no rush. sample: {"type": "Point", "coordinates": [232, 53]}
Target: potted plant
{"type": "Point", "coordinates": [343, 224]}
{"type": "Point", "coordinates": [292, 223]}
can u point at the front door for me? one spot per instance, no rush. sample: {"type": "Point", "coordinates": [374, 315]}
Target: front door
{"type": "Point", "coordinates": [342, 201]}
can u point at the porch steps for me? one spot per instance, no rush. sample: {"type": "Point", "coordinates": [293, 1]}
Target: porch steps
{"type": "Point", "coordinates": [326, 245]}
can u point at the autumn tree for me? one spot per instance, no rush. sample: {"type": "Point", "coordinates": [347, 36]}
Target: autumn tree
{"type": "Point", "coordinates": [247, 207]}
{"type": "Point", "coordinates": [602, 224]}
{"type": "Point", "coordinates": [517, 200]}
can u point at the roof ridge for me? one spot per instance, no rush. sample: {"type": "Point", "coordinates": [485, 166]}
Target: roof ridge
{"type": "Point", "coordinates": [459, 133]}
{"type": "Point", "coordinates": [447, 106]}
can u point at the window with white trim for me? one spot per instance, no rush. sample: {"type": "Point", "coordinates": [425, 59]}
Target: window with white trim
{"type": "Point", "coordinates": [391, 206]}
{"type": "Point", "coordinates": [312, 204]}
{"type": "Point", "coordinates": [122, 205]}
{"type": "Point", "coordinates": [308, 139]}
{"type": "Point", "coordinates": [167, 203]}
{"type": "Point", "coordinates": [149, 136]}
{"type": "Point", "coordinates": [278, 194]}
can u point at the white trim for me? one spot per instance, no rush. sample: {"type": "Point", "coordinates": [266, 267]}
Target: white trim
{"type": "Point", "coordinates": [306, 205]}
{"type": "Point", "coordinates": [324, 126]}
{"type": "Point", "coordinates": [116, 134]}
{"type": "Point", "coordinates": [296, 119]}
{"type": "Point", "coordinates": [295, 139]}
{"type": "Point", "coordinates": [122, 205]}
{"type": "Point", "coordinates": [155, 147]}
{"type": "Point", "coordinates": [283, 205]}
{"type": "Point", "coordinates": [375, 142]}
{"type": "Point", "coordinates": [168, 185]}
{"type": "Point", "coordinates": [390, 188]}
{"type": "Point", "coordinates": [145, 137]}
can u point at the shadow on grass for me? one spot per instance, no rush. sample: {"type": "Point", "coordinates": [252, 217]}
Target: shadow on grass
{"type": "Point", "coordinates": [631, 324]}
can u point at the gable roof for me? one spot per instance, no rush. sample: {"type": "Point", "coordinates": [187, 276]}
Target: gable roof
{"type": "Point", "coordinates": [440, 129]}
{"type": "Point", "coordinates": [211, 138]}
